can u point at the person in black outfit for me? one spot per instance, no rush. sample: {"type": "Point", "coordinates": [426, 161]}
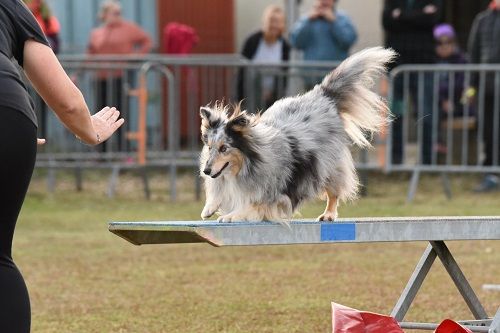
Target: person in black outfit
{"type": "Point", "coordinates": [266, 46]}
{"type": "Point", "coordinates": [408, 25]}
{"type": "Point", "coordinates": [21, 39]}
{"type": "Point", "coordinates": [484, 47]}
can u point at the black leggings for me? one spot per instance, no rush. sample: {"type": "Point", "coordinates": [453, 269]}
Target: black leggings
{"type": "Point", "coordinates": [17, 159]}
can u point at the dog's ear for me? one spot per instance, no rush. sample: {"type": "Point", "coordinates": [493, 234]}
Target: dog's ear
{"type": "Point", "coordinates": [205, 112]}
{"type": "Point", "coordinates": [239, 122]}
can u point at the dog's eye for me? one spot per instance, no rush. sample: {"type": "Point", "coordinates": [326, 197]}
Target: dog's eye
{"type": "Point", "coordinates": [223, 148]}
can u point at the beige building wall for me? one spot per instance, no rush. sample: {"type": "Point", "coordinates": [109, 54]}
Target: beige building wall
{"type": "Point", "coordinates": [366, 15]}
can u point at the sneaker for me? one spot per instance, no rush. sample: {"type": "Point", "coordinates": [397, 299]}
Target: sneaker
{"type": "Point", "coordinates": [488, 184]}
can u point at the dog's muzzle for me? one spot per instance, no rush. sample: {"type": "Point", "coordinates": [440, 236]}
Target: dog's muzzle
{"type": "Point", "coordinates": [218, 173]}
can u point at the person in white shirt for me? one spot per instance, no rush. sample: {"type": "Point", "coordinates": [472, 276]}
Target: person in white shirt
{"type": "Point", "coordinates": [266, 46]}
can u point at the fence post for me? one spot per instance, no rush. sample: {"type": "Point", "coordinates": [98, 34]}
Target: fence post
{"type": "Point", "coordinates": [141, 134]}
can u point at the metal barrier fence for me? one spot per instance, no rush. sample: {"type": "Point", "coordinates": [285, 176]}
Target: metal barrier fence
{"type": "Point", "coordinates": [446, 119]}
{"type": "Point", "coordinates": [160, 98]}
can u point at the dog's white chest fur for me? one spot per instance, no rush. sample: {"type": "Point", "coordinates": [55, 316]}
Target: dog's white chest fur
{"type": "Point", "coordinates": [230, 191]}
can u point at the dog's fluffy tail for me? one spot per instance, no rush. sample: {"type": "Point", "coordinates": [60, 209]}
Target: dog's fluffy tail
{"type": "Point", "coordinates": [363, 111]}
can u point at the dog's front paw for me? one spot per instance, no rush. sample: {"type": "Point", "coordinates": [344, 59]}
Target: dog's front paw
{"type": "Point", "coordinates": [327, 216]}
{"type": "Point", "coordinates": [233, 217]}
{"type": "Point", "coordinates": [226, 218]}
{"type": "Point", "coordinates": [208, 211]}
{"type": "Point", "coordinates": [242, 216]}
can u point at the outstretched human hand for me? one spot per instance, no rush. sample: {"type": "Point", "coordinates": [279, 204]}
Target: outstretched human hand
{"type": "Point", "coordinates": [106, 122]}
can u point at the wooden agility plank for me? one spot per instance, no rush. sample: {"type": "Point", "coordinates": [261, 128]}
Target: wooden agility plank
{"type": "Point", "coordinates": [380, 229]}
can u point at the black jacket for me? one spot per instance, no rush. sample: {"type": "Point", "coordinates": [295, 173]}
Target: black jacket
{"type": "Point", "coordinates": [249, 49]}
{"type": "Point", "coordinates": [411, 33]}
{"type": "Point", "coordinates": [484, 38]}
{"type": "Point", "coordinates": [484, 43]}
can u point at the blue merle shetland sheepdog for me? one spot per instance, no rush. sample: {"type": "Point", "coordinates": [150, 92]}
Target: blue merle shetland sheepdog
{"type": "Point", "coordinates": [262, 167]}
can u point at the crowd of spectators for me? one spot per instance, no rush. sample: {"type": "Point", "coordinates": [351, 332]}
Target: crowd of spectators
{"type": "Point", "coordinates": [413, 28]}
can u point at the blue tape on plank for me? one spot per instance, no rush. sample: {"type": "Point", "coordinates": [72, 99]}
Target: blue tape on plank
{"type": "Point", "coordinates": [338, 232]}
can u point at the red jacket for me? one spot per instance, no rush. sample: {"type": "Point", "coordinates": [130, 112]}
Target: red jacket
{"type": "Point", "coordinates": [179, 38]}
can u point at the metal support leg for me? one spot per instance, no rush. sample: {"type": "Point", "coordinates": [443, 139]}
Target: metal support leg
{"type": "Point", "coordinates": [363, 174]}
{"type": "Point", "coordinates": [51, 179]}
{"type": "Point", "coordinates": [445, 180]}
{"type": "Point", "coordinates": [495, 324]}
{"type": "Point", "coordinates": [113, 181]}
{"type": "Point", "coordinates": [414, 284]}
{"type": "Point", "coordinates": [459, 279]}
{"type": "Point", "coordinates": [439, 248]}
{"type": "Point", "coordinates": [145, 181]}
{"type": "Point", "coordinates": [413, 185]}
{"type": "Point", "coordinates": [197, 186]}
{"type": "Point", "coordinates": [78, 179]}
{"type": "Point", "coordinates": [173, 181]}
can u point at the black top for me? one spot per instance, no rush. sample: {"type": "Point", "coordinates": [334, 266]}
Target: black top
{"type": "Point", "coordinates": [249, 49]}
{"type": "Point", "coordinates": [252, 43]}
{"type": "Point", "coordinates": [17, 25]}
{"type": "Point", "coordinates": [484, 36]}
{"type": "Point", "coordinates": [410, 35]}
{"type": "Point", "coordinates": [484, 46]}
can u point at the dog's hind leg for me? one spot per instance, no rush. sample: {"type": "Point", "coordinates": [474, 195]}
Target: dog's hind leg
{"type": "Point", "coordinates": [330, 213]}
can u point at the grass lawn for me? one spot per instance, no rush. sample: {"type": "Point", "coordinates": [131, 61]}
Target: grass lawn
{"type": "Point", "coordinates": [82, 278]}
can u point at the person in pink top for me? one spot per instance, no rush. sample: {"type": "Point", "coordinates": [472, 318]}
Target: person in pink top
{"type": "Point", "coordinates": [115, 36]}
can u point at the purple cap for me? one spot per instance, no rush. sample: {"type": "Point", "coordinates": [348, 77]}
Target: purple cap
{"type": "Point", "coordinates": [444, 30]}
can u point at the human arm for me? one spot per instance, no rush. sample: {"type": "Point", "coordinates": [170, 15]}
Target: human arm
{"type": "Point", "coordinates": [422, 18]}
{"type": "Point", "coordinates": [474, 48]}
{"type": "Point", "coordinates": [251, 44]}
{"type": "Point", "coordinates": [343, 31]}
{"type": "Point", "coordinates": [397, 19]}
{"type": "Point", "coordinates": [248, 51]}
{"type": "Point", "coordinates": [301, 34]}
{"type": "Point", "coordinates": [91, 49]}
{"type": "Point", "coordinates": [390, 16]}
{"type": "Point", "coordinates": [65, 98]}
{"type": "Point", "coordinates": [141, 39]}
